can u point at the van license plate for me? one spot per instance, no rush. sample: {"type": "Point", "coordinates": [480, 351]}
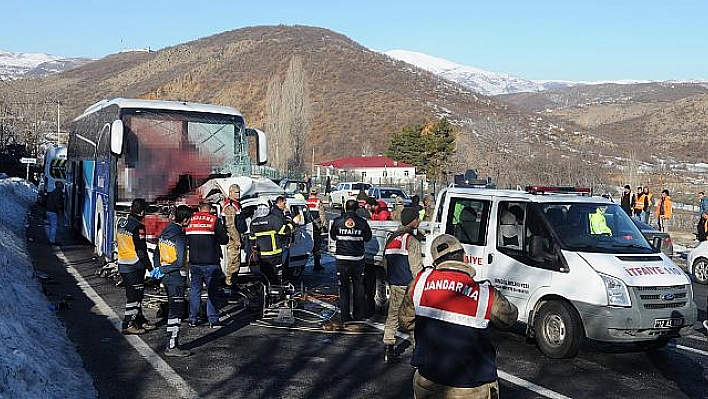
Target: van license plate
{"type": "Point", "coordinates": [669, 323]}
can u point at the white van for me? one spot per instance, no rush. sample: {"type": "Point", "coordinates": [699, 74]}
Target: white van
{"type": "Point", "coordinates": [575, 266]}
{"type": "Point", "coordinates": [53, 169]}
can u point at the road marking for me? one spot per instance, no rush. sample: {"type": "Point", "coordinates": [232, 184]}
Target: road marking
{"type": "Point", "coordinates": [502, 374]}
{"type": "Point", "coordinates": [530, 386]}
{"type": "Point", "coordinates": [161, 366]}
{"type": "Point", "coordinates": [690, 349]}
{"type": "Point", "coordinates": [696, 337]}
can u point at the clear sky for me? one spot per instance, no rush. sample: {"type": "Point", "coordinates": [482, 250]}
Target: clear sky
{"type": "Point", "coordinates": [559, 40]}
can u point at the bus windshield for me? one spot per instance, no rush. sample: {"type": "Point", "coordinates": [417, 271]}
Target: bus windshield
{"type": "Point", "coordinates": [168, 154]}
{"type": "Point", "coordinates": [588, 227]}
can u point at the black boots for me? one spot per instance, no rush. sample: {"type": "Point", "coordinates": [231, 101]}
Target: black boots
{"type": "Point", "coordinates": [390, 355]}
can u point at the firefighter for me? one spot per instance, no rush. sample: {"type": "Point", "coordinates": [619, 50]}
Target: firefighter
{"type": "Point", "coordinates": [170, 255]}
{"type": "Point", "coordinates": [269, 234]}
{"type": "Point", "coordinates": [351, 233]}
{"type": "Point", "coordinates": [446, 301]}
{"type": "Point", "coordinates": [235, 223]}
{"type": "Point", "coordinates": [319, 221]}
{"type": "Point", "coordinates": [133, 260]}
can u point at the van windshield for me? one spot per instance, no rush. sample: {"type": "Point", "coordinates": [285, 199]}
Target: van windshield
{"type": "Point", "coordinates": [587, 227]}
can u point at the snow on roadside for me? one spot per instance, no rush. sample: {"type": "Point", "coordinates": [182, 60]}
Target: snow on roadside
{"type": "Point", "coordinates": [38, 360]}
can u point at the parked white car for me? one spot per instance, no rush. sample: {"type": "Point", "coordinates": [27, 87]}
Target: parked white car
{"type": "Point", "coordinates": [697, 263]}
{"type": "Point", "coordinates": [345, 191]}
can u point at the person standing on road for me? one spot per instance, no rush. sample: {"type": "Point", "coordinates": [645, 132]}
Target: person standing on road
{"type": "Point", "coordinates": [403, 260]}
{"type": "Point", "coordinates": [170, 257]}
{"type": "Point", "coordinates": [235, 226]}
{"type": "Point", "coordinates": [133, 261]}
{"type": "Point", "coordinates": [638, 203]}
{"type": "Point", "coordinates": [446, 301]}
{"type": "Point", "coordinates": [269, 233]}
{"type": "Point", "coordinates": [379, 209]}
{"type": "Point", "coordinates": [415, 204]}
{"type": "Point", "coordinates": [702, 228]}
{"type": "Point", "coordinates": [205, 236]}
{"type": "Point", "coordinates": [318, 223]}
{"type": "Point", "coordinates": [397, 209]}
{"type": "Point", "coordinates": [351, 232]}
{"type": "Point", "coordinates": [628, 199]}
{"type": "Point", "coordinates": [54, 208]}
{"type": "Point", "coordinates": [702, 210]}
{"type": "Point", "coordinates": [648, 200]}
{"type": "Point", "coordinates": [664, 210]}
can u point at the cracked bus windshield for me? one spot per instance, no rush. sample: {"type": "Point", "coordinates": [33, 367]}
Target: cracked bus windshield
{"type": "Point", "coordinates": [168, 154]}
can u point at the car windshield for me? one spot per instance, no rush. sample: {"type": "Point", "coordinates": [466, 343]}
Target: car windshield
{"type": "Point", "coordinates": [392, 192]}
{"type": "Point", "coordinates": [588, 227]}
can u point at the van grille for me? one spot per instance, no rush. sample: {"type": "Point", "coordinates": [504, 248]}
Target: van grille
{"type": "Point", "coordinates": [662, 297]}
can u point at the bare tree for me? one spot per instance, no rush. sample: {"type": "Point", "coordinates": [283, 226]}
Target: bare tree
{"type": "Point", "coordinates": [289, 117]}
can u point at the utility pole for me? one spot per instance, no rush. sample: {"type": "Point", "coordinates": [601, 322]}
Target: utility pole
{"type": "Point", "coordinates": [58, 121]}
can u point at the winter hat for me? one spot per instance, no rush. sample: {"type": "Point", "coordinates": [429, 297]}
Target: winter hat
{"type": "Point", "coordinates": [408, 215]}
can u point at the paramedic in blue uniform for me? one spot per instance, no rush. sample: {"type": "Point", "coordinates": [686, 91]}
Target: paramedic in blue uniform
{"type": "Point", "coordinates": [170, 256]}
{"type": "Point", "coordinates": [450, 314]}
{"type": "Point", "coordinates": [133, 261]}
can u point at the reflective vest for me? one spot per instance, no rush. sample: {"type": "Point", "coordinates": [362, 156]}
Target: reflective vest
{"type": "Point", "coordinates": [313, 203]}
{"type": "Point", "coordinates": [398, 269]}
{"type": "Point", "coordinates": [449, 303]}
{"type": "Point", "coordinates": [598, 224]}
{"type": "Point", "coordinates": [639, 202]}
{"type": "Point", "coordinates": [129, 230]}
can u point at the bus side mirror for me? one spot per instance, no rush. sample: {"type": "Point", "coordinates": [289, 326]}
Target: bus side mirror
{"type": "Point", "coordinates": [261, 145]}
{"type": "Point", "coordinates": [117, 137]}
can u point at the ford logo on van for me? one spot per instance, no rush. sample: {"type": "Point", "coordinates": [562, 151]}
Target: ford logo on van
{"type": "Point", "coordinates": [668, 296]}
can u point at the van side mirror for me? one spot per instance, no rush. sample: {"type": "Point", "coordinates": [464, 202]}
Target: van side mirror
{"type": "Point", "coordinates": [117, 137]}
{"type": "Point", "coordinates": [656, 243]}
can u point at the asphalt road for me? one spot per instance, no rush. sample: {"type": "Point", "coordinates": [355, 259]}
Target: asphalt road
{"type": "Point", "coordinates": [247, 360]}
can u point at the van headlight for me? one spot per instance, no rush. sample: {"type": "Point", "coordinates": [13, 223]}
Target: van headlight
{"type": "Point", "coordinates": [617, 293]}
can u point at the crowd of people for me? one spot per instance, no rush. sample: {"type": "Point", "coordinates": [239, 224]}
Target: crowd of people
{"type": "Point", "coordinates": [464, 367]}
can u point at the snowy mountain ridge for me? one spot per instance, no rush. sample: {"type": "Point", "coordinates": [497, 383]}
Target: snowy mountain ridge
{"type": "Point", "coordinates": [16, 65]}
{"type": "Point", "coordinates": [484, 82]}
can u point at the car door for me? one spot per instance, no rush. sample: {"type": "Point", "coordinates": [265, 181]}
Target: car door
{"type": "Point", "coordinates": [510, 268]}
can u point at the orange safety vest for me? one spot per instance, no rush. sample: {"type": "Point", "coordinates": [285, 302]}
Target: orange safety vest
{"type": "Point", "coordinates": [668, 208]}
{"type": "Point", "coordinates": [313, 203]}
{"type": "Point", "coordinates": [639, 202]}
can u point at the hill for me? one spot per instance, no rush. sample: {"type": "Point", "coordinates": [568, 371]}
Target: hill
{"type": "Point", "coordinates": [313, 88]}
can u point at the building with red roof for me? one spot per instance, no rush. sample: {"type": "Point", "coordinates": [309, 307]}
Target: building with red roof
{"type": "Point", "coordinates": [376, 169]}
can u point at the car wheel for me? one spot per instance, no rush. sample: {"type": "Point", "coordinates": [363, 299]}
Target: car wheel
{"type": "Point", "coordinates": [558, 330]}
{"type": "Point", "coordinates": [700, 270]}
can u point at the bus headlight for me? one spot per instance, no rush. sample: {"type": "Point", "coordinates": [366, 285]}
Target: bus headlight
{"type": "Point", "coordinates": [617, 293]}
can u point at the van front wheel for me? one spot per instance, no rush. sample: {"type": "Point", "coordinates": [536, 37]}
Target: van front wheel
{"type": "Point", "coordinates": [558, 330]}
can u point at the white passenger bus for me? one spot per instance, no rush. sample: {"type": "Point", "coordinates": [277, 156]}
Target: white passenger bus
{"type": "Point", "coordinates": [122, 149]}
